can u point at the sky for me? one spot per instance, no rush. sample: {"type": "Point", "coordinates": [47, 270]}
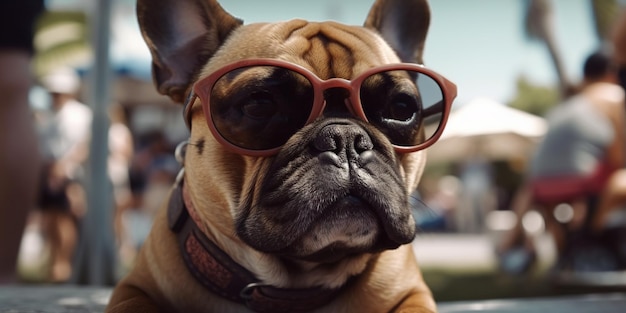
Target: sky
{"type": "Point", "coordinates": [491, 50]}
{"type": "Point", "coordinates": [478, 44]}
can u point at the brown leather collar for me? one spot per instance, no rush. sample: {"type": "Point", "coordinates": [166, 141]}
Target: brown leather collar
{"type": "Point", "coordinates": [218, 272]}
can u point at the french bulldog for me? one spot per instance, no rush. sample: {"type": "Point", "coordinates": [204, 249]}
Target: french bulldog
{"type": "Point", "coordinates": [306, 139]}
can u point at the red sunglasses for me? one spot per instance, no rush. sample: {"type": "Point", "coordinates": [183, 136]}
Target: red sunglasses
{"type": "Point", "coordinates": [254, 106]}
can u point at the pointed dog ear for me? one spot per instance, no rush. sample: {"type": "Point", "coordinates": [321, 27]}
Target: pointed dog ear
{"type": "Point", "coordinates": [182, 35]}
{"type": "Point", "coordinates": [403, 24]}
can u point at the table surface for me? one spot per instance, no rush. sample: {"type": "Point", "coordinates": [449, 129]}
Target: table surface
{"type": "Point", "coordinates": [81, 299]}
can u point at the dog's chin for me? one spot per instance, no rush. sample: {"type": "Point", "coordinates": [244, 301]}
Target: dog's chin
{"type": "Point", "coordinates": [349, 230]}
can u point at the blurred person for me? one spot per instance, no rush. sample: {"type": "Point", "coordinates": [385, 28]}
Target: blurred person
{"type": "Point", "coordinates": [585, 144]}
{"type": "Point", "coordinates": [64, 135]}
{"type": "Point", "coordinates": [153, 170]}
{"type": "Point", "coordinates": [19, 159]}
{"type": "Point", "coordinates": [477, 194]}
{"type": "Point", "coordinates": [159, 178]}
{"type": "Point", "coordinates": [149, 146]}
{"type": "Point", "coordinates": [574, 163]}
{"type": "Point", "coordinates": [121, 150]}
{"type": "Point", "coordinates": [614, 197]}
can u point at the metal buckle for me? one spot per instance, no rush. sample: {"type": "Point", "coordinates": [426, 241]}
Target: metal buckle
{"type": "Point", "coordinates": [247, 291]}
{"type": "Point", "coordinates": [179, 154]}
{"type": "Point", "coordinates": [180, 151]}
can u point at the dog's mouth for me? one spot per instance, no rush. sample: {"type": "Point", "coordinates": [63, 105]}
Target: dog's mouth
{"type": "Point", "coordinates": [331, 254]}
{"type": "Point", "coordinates": [351, 227]}
{"type": "Point", "coordinates": [338, 195]}
{"type": "Point", "coordinates": [348, 227]}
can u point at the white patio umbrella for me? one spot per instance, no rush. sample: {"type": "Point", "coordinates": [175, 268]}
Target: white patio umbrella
{"type": "Point", "coordinates": [489, 129]}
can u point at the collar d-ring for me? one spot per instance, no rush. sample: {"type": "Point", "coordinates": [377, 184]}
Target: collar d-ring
{"type": "Point", "coordinates": [180, 152]}
{"type": "Point", "coordinates": [246, 292]}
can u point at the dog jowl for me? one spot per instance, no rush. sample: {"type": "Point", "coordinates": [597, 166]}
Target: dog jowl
{"type": "Point", "coordinates": [306, 139]}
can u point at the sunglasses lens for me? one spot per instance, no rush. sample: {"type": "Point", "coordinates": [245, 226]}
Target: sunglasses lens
{"type": "Point", "coordinates": [260, 107]}
{"type": "Point", "coordinates": [407, 106]}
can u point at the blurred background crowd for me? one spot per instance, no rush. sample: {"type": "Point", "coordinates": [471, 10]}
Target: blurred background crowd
{"type": "Point", "coordinates": [522, 195]}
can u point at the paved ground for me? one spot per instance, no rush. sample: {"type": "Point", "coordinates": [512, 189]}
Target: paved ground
{"type": "Point", "coordinates": [461, 271]}
{"type": "Point", "coordinates": [79, 299]}
{"type": "Point", "coordinates": [471, 252]}
{"type": "Point", "coordinates": [53, 299]}
{"type": "Point", "coordinates": [605, 303]}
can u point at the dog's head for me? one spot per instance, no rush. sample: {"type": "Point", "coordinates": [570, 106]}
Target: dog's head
{"type": "Point", "coordinates": [304, 139]}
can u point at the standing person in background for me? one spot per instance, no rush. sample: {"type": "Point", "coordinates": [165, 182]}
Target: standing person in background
{"type": "Point", "coordinates": [65, 136]}
{"type": "Point", "coordinates": [152, 171]}
{"type": "Point", "coordinates": [19, 158]}
{"type": "Point", "coordinates": [121, 151]}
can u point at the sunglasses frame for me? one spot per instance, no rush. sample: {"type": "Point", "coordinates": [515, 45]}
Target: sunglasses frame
{"type": "Point", "coordinates": [202, 90]}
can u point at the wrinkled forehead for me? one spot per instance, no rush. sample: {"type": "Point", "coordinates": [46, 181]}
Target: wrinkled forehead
{"type": "Point", "coordinates": [328, 49]}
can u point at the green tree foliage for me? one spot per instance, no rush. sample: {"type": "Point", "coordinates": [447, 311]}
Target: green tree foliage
{"type": "Point", "coordinates": [534, 99]}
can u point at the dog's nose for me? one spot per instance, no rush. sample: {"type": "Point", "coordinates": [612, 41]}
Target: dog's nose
{"type": "Point", "coordinates": [341, 142]}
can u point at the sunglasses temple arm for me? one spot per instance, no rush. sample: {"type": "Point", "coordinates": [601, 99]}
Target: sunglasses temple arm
{"type": "Point", "coordinates": [437, 108]}
{"type": "Point", "coordinates": [187, 109]}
